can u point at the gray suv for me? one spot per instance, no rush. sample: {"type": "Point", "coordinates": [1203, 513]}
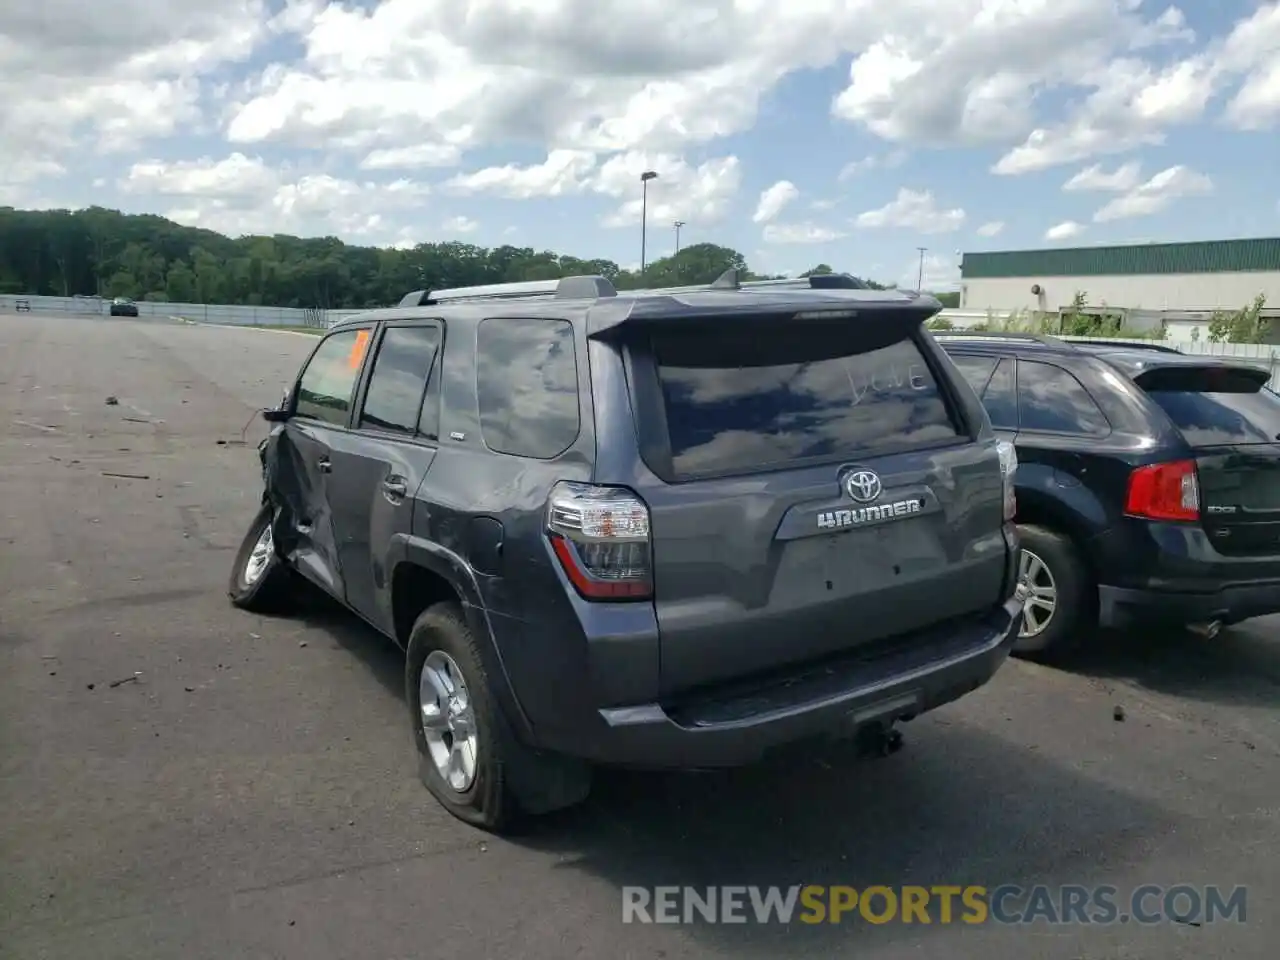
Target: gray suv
{"type": "Point", "coordinates": [660, 528]}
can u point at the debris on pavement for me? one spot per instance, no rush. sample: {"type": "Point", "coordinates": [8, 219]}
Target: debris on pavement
{"type": "Point", "coordinates": [121, 682]}
{"type": "Point", "coordinates": [113, 401]}
{"type": "Point", "coordinates": [1118, 714]}
{"type": "Point", "coordinates": [126, 476]}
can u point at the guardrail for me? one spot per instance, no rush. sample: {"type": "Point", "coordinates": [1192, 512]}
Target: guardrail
{"type": "Point", "coordinates": [222, 313]}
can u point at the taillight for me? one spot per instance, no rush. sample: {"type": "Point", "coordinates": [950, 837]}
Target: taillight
{"type": "Point", "coordinates": [1008, 476]}
{"type": "Point", "coordinates": [1164, 491]}
{"type": "Point", "coordinates": [600, 535]}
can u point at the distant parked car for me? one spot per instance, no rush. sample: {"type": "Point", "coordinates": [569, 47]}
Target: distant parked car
{"type": "Point", "coordinates": [123, 307]}
{"type": "Point", "coordinates": [1148, 482]}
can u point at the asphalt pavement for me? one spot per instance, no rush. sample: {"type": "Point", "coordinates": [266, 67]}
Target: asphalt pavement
{"type": "Point", "coordinates": [181, 779]}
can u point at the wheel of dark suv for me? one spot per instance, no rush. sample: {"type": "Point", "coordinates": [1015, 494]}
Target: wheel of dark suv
{"type": "Point", "coordinates": [1058, 609]}
{"type": "Point", "coordinates": [461, 741]}
{"type": "Point", "coordinates": [260, 581]}
{"type": "Point", "coordinates": [468, 756]}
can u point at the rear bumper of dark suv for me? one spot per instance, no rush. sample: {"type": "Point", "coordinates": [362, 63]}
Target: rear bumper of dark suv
{"type": "Point", "coordinates": [733, 726]}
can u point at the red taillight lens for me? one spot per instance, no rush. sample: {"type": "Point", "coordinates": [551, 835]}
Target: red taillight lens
{"type": "Point", "coordinates": [600, 535]}
{"type": "Point", "coordinates": [1164, 491]}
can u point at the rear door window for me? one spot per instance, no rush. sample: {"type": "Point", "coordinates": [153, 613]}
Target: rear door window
{"type": "Point", "coordinates": [1052, 400]}
{"type": "Point", "coordinates": [327, 384]}
{"type": "Point", "coordinates": [398, 382]}
{"type": "Point", "coordinates": [1001, 396]}
{"type": "Point", "coordinates": [977, 370]}
{"type": "Point", "coordinates": [737, 402]}
{"type": "Point", "coordinates": [1211, 418]}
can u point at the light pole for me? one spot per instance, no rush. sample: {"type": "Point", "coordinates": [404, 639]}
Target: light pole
{"type": "Point", "coordinates": [644, 212]}
{"type": "Point", "coordinates": [678, 224]}
{"type": "Point", "coordinates": [920, 274]}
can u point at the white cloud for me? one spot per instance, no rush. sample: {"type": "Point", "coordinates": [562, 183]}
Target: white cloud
{"type": "Point", "coordinates": [1095, 179]}
{"type": "Point", "coordinates": [78, 77]}
{"type": "Point", "coordinates": [563, 172]}
{"type": "Point", "coordinates": [412, 157]}
{"type": "Point", "coordinates": [241, 194]}
{"type": "Point", "coordinates": [1132, 104]}
{"type": "Point", "coordinates": [970, 72]}
{"type": "Point", "coordinates": [460, 225]}
{"type": "Point", "coordinates": [774, 200]}
{"type": "Point", "coordinates": [698, 195]}
{"type": "Point", "coordinates": [992, 229]}
{"type": "Point", "coordinates": [1156, 194]}
{"type": "Point", "coordinates": [888, 161]}
{"type": "Point", "coordinates": [1253, 50]}
{"type": "Point", "coordinates": [791, 233]}
{"type": "Point", "coordinates": [916, 210]}
{"type": "Point", "coordinates": [1064, 231]}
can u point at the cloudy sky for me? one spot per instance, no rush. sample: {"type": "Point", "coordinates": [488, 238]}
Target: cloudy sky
{"type": "Point", "coordinates": [845, 131]}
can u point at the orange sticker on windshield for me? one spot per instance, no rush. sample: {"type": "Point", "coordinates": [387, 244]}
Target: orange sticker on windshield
{"type": "Point", "coordinates": [357, 349]}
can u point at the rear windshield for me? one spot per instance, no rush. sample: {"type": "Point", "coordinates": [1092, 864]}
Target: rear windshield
{"type": "Point", "coordinates": [739, 401]}
{"type": "Point", "coordinates": [1213, 419]}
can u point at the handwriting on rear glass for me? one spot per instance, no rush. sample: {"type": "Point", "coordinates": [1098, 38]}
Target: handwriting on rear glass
{"type": "Point", "coordinates": [889, 378]}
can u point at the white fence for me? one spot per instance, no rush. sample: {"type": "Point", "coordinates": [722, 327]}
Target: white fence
{"type": "Point", "coordinates": [233, 314]}
{"type": "Point", "coordinates": [1264, 355]}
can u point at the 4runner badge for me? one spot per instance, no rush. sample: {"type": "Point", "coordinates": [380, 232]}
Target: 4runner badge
{"type": "Point", "coordinates": [834, 519]}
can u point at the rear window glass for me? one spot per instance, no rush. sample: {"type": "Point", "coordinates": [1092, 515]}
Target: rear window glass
{"type": "Point", "coordinates": [739, 401]}
{"type": "Point", "coordinates": [1211, 419]}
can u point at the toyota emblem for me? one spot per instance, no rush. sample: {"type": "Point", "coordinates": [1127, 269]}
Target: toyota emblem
{"type": "Point", "coordinates": [862, 485]}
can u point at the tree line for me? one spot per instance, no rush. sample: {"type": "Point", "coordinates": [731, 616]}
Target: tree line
{"type": "Point", "coordinates": [144, 257]}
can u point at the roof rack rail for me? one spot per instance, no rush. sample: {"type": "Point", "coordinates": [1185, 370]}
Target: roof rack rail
{"type": "Point", "coordinates": [1121, 343]}
{"type": "Point", "coordinates": [566, 288]}
{"type": "Point", "coordinates": [1044, 338]}
{"type": "Point", "coordinates": [729, 280]}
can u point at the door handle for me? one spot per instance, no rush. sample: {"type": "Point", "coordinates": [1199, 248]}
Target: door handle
{"type": "Point", "coordinates": [325, 465]}
{"type": "Point", "coordinates": [395, 488]}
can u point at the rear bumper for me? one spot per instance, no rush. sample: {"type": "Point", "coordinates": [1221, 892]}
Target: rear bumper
{"type": "Point", "coordinates": [1171, 573]}
{"type": "Point", "coordinates": [736, 726]}
{"type": "Point", "coordinates": [1127, 606]}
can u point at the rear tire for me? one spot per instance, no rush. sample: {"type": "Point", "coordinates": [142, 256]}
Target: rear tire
{"type": "Point", "coordinates": [261, 582]}
{"type": "Point", "coordinates": [495, 782]}
{"type": "Point", "coordinates": [1060, 607]}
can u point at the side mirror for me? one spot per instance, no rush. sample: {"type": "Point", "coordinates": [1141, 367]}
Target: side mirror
{"type": "Point", "coordinates": [276, 416]}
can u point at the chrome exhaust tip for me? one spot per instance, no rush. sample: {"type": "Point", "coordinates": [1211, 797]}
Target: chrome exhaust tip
{"type": "Point", "coordinates": [1206, 631]}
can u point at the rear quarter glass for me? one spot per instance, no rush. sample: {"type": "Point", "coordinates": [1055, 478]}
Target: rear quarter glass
{"type": "Point", "coordinates": [736, 402]}
{"type": "Point", "coordinates": [1213, 419]}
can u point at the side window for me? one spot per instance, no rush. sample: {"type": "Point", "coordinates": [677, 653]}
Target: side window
{"type": "Point", "coordinates": [1049, 398]}
{"type": "Point", "coordinates": [977, 370]}
{"type": "Point", "coordinates": [1000, 398]}
{"type": "Point", "coordinates": [326, 386]}
{"type": "Point", "coordinates": [527, 386]}
{"type": "Point", "coordinates": [399, 379]}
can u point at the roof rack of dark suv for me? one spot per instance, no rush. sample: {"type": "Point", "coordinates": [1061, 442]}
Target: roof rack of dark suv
{"type": "Point", "coordinates": [1111, 343]}
{"type": "Point", "coordinates": [1044, 338]}
{"type": "Point", "coordinates": [592, 287]}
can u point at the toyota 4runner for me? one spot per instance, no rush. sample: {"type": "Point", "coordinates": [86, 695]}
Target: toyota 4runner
{"type": "Point", "coordinates": [662, 528]}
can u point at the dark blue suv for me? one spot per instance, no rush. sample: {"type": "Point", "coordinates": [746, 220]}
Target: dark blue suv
{"type": "Point", "coordinates": [669, 528]}
{"type": "Point", "coordinates": [1148, 486]}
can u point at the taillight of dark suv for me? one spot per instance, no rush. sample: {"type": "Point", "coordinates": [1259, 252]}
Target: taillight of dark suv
{"type": "Point", "coordinates": [1164, 491]}
{"type": "Point", "coordinates": [600, 535]}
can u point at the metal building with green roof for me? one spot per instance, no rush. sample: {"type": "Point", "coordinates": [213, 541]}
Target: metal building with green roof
{"type": "Point", "coordinates": [1195, 276]}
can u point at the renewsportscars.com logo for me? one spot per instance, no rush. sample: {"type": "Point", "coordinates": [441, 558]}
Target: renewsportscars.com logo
{"type": "Point", "coordinates": [942, 904]}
